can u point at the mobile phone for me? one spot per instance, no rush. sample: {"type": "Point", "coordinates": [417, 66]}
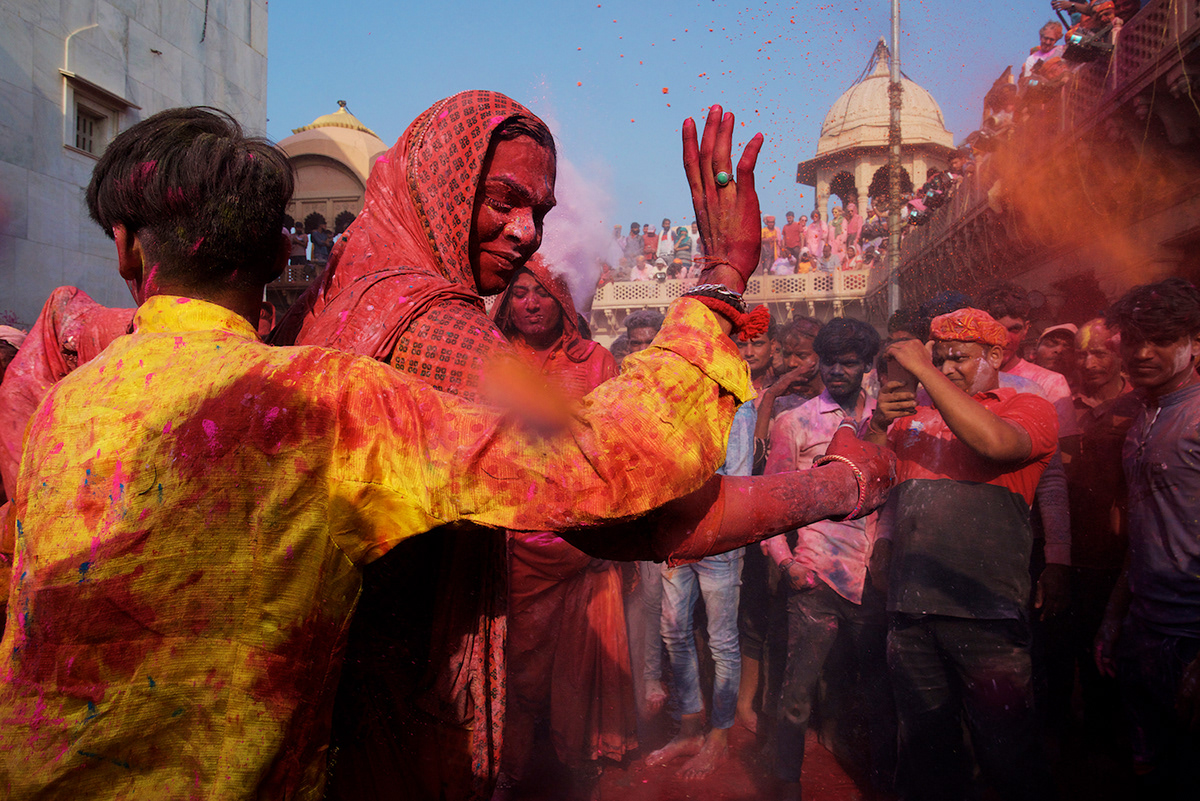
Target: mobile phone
{"type": "Point", "coordinates": [895, 372]}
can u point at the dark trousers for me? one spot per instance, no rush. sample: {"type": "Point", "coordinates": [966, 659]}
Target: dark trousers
{"type": "Point", "coordinates": [946, 670]}
{"type": "Point", "coordinates": [815, 620]}
{"type": "Point", "coordinates": [1150, 668]}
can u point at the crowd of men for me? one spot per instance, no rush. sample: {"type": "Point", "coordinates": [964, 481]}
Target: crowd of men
{"type": "Point", "coordinates": [427, 539]}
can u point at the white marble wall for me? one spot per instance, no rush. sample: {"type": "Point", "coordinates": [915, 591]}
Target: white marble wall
{"type": "Point", "coordinates": [46, 238]}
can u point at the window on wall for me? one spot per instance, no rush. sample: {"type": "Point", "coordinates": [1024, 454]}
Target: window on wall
{"type": "Point", "coordinates": [89, 129]}
{"type": "Point", "coordinates": [93, 115]}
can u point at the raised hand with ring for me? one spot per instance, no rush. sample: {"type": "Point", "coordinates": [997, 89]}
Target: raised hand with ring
{"type": "Point", "coordinates": [728, 222]}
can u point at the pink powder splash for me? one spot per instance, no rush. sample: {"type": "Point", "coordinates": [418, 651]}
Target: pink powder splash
{"type": "Point", "coordinates": [496, 120]}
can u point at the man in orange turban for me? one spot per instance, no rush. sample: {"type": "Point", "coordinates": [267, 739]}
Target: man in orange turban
{"type": "Point", "coordinates": [956, 551]}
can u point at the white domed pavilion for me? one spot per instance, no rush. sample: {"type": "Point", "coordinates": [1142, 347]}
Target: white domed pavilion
{"type": "Point", "coordinates": [332, 156]}
{"type": "Point", "coordinates": [852, 148]}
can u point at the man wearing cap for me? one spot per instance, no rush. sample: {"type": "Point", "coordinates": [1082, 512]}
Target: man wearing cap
{"type": "Point", "coordinates": [1056, 350]}
{"type": "Point", "coordinates": [958, 587]}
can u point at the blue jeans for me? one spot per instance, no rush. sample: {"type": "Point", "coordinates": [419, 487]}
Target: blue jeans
{"type": "Point", "coordinates": [716, 579]}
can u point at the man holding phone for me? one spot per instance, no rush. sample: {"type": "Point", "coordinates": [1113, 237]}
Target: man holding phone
{"type": "Point", "coordinates": [958, 588]}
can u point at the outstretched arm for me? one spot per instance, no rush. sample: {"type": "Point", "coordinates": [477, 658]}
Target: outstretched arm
{"type": "Point", "coordinates": [729, 512]}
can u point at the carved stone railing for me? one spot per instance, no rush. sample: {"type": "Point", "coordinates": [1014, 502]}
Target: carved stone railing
{"type": "Point", "coordinates": [813, 293]}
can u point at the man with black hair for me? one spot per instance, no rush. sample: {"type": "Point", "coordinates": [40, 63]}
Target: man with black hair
{"type": "Point", "coordinates": [1150, 636]}
{"type": "Point", "coordinates": [826, 568]}
{"type": "Point", "coordinates": [641, 326]}
{"type": "Point", "coordinates": [1009, 305]}
{"type": "Point", "coordinates": [908, 324]}
{"type": "Point", "coordinates": [194, 507]}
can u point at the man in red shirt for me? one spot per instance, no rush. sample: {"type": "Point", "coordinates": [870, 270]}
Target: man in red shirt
{"type": "Point", "coordinates": [793, 236]}
{"type": "Point", "coordinates": [958, 585]}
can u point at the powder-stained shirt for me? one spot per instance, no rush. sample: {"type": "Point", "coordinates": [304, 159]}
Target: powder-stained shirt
{"type": "Point", "coordinates": [836, 551]}
{"type": "Point", "coordinates": [1161, 459]}
{"type": "Point", "coordinates": [1096, 481]}
{"type": "Point", "coordinates": [961, 535]}
{"type": "Point", "coordinates": [1055, 388]}
{"type": "Point", "coordinates": [194, 506]}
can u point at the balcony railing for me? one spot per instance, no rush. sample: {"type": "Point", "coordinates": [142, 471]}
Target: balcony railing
{"type": "Point", "coordinates": [840, 285]}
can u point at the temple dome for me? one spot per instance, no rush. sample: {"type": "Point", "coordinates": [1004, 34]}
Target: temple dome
{"type": "Point", "coordinates": [859, 118]}
{"type": "Point", "coordinates": [339, 136]}
{"type": "Point", "coordinates": [342, 118]}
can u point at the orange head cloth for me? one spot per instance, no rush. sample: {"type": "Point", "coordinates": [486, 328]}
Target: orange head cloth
{"type": "Point", "coordinates": [968, 325]}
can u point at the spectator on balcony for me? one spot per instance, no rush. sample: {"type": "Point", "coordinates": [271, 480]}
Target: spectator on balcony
{"type": "Point", "coordinates": [633, 242]}
{"type": "Point", "coordinates": [1048, 47]}
{"type": "Point", "coordinates": [784, 265]}
{"type": "Point", "coordinates": [852, 260]}
{"type": "Point", "coordinates": [815, 235]}
{"type": "Point", "coordinates": [683, 252]}
{"type": "Point", "coordinates": [793, 236]}
{"type": "Point", "coordinates": [697, 247]}
{"type": "Point", "coordinates": [299, 251]}
{"type": "Point", "coordinates": [665, 247]}
{"type": "Point", "coordinates": [772, 245]}
{"type": "Point", "coordinates": [806, 264]}
{"type": "Point", "coordinates": [616, 248]}
{"type": "Point", "coordinates": [854, 224]}
{"type": "Point", "coordinates": [322, 243]}
{"type": "Point", "coordinates": [607, 274]}
{"type": "Point", "coordinates": [837, 231]}
{"type": "Point", "coordinates": [642, 270]}
{"type": "Point", "coordinates": [829, 261]}
{"type": "Point", "coordinates": [649, 242]}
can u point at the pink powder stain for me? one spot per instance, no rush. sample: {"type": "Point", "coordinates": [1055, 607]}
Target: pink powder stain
{"type": "Point", "coordinates": [185, 300]}
{"type": "Point", "coordinates": [178, 343]}
{"type": "Point", "coordinates": [270, 416]}
{"type": "Point", "coordinates": [210, 431]}
{"type": "Point", "coordinates": [57, 449]}
{"type": "Point", "coordinates": [445, 113]}
{"type": "Point", "coordinates": [382, 160]}
{"type": "Point", "coordinates": [289, 553]}
{"type": "Point", "coordinates": [167, 428]}
{"type": "Point", "coordinates": [196, 246]}
{"type": "Point", "coordinates": [496, 120]}
{"type": "Point", "coordinates": [148, 377]}
{"type": "Point", "coordinates": [118, 481]}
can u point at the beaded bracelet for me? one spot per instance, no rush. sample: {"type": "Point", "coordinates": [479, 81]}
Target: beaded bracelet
{"type": "Point", "coordinates": [858, 477]}
{"type": "Point", "coordinates": [732, 307]}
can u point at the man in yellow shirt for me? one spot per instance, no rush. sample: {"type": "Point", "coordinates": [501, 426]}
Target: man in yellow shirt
{"type": "Point", "coordinates": [193, 506]}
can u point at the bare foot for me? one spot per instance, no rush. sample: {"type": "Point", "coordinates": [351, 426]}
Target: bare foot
{"type": "Point", "coordinates": [711, 755]}
{"type": "Point", "coordinates": [680, 746]}
{"type": "Point", "coordinates": [656, 697]}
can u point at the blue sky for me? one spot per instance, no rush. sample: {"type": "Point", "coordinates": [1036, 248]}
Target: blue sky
{"type": "Point", "coordinates": [597, 71]}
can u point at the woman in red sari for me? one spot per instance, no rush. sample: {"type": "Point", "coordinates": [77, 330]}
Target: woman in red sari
{"type": "Point", "coordinates": [421, 704]}
{"type": "Point", "coordinates": [568, 655]}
